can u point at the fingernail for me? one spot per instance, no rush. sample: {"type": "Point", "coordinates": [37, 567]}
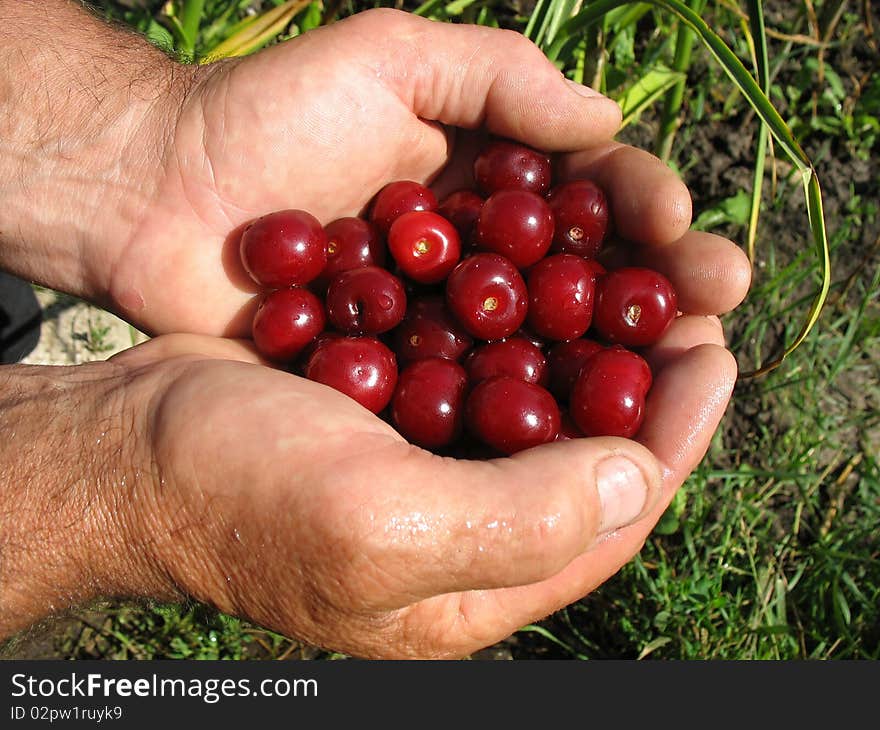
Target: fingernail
{"type": "Point", "coordinates": [622, 492]}
{"type": "Point", "coordinates": [582, 90]}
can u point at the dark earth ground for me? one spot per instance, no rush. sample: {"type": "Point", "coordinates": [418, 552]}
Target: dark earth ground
{"type": "Point", "coordinates": [716, 157]}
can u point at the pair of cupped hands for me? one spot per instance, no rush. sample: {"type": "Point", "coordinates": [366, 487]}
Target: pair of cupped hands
{"type": "Point", "coordinates": [285, 502]}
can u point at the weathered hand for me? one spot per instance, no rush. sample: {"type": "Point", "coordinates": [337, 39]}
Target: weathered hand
{"type": "Point", "coordinates": [321, 123]}
{"type": "Point", "coordinates": [280, 500]}
{"type": "Point", "coordinates": [210, 475]}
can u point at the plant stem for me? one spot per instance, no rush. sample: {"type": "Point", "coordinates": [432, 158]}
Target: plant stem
{"type": "Point", "coordinates": [670, 118]}
{"type": "Point", "coordinates": [190, 20]}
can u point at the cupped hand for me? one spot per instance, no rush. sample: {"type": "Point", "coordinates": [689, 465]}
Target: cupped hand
{"type": "Point", "coordinates": [285, 502]}
{"type": "Point", "coordinates": [321, 123]}
{"type": "Point", "coordinates": [280, 500]}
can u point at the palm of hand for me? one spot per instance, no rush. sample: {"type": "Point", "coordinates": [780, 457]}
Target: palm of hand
{"type": "Point", "coordinates": [255, 137]}
{"type": "Point", "coordinates": [348, 536]}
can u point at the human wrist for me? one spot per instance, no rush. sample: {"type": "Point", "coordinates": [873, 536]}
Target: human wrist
{"type": "Point", "coordinates": [85, 113]}
{"type": "Point", "coordinates": [70, 458]}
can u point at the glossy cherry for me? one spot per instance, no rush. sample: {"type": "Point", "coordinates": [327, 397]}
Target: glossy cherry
{"type": "Point", "coordinates": [487, 295]}
{"type": "Point", "coordinates": [397, 198]}
{"type": "Point", "coordinates": [608, 397]}
{"type": "Point", "coordinates": [360, 367]}
{"type": "Point", "coordinates": [504, 165]}
{"type": "Point", "coordinates": [425, 246]}
{"type": "Point", "coordinates": [510, 415]}
{"type": "Point", "coordinates": [564, 363]}
{"type": "Point", "coordinates": [581, 217]}
{"type": "Point", "coordinates": [429, 330]}
{"type": "Point", "coordinates": [561, 289]}
{"type": "Point", "coordinates": [427, 408]}
{"type": "Point", "coordinates": [284, 248]}
{"type": "Point", "coordinates": [369, 300]}
{"type": "Point", "coordinates": [352, 243]}
{"type": "Point", "coordinates": [321, 339]}
{"type": "Point", "coordinates": [286, 321]}
{"type": "Point", "coordinates": [634, 306]}
{"type": "Point", "coordinates": [597, 268]}
{"type": "Point", "coordinates": [462, 209]}
{"type": "Point", "coordinates": [515, 357]}
{"type": "Point", "coordinates": [517, 224]}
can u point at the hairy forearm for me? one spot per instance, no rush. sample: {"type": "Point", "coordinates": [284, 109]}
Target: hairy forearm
{"type": "Point", "coordinates": [70, 459]}
{"type": "Point", "coordinates": [84, 111]}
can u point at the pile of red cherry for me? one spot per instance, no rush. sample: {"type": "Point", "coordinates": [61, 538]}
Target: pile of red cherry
{"type": "Point", "coordinates": [475, 328]}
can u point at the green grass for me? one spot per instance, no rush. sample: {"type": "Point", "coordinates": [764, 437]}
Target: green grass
{"type": "Point", "coordinates": [772, 549]}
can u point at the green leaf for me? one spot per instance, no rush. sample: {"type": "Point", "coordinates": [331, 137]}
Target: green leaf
{"type": "Point", "coordinates": [457, 7]}
{"type": "Point", "coordinates": [670, 521]}
{"type": "Point", "coordinates": [427, 9]}
{"type": "Point", "coordinates": [160, 36]}
{"type": "Point", "coordinates": [257, 33]}
{"type": "Point", "coordinates": [735, 209]}
{"type": "Point", "coordinates": [653, 645]}
{"type": "Point", "coordinates": [312, 17]}
{"type": "Point", "coordinates": [646, 90]}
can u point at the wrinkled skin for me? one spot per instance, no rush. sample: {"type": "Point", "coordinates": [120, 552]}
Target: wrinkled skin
{"type": "Point", "coordinates": [283, 501]}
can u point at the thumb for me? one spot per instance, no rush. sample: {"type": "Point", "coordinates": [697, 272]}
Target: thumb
{"type": "Point", "coordinates": [512, 521]}
{"type": "Point", "coordinates": [470, 76]}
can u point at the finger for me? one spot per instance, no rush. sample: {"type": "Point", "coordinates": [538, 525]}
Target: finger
{"type": "Point", "coordinates": [686, 404]}
{"type": "Point", "coordinates": [649, 203]}
{"type": "Point", "coordinates": [470, 76]}
{"type": "Point", "coordinates": [685, 332]}
{"type": "Point", "coordinates": [487, 524]}
{"type": "Point", "coordinates": [711, 274]}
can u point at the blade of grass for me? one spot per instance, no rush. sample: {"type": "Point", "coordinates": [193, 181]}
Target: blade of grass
{"type": "Point", "coordinates": [537, 25]}
{"type": "Point", "coordinates": [257, 33]}
{"type": "Point", "coordinates": [622, 18]}
{"type": "Point", "coordinates": [758, 38]}
{"type": "Point", "coordinates": [749, 88]}
{"type": "Point", "coordinates": [646, 90]}
{"type": "Point", "coordinates": [190, 20]}
{"type": "Point", "coordinates": [427, 9]}
{"type": "Point", "coordinates": [670, 117]}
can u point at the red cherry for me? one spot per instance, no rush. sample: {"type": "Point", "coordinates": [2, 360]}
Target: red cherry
{"type": "Point", "coordinates": [516, 224]}
{"type": "Point", "coordinates": [564, 363]}
{"type": "Point", "coordinates": [425, 246]}
{"type": "Point", "coordinates": [428, 404]}
{"type": "Point", "coordinates": [608, 398]}
{"type": "Point", "coordinates": [462, 209]}
{"type": "Point", "coordinates": [308, 350]}
{"type": "Point", "coordinates": [429, 330]}
{"type": "Point", "coordinates": [369, 300]}
{"type": "Point", "coordinates": [580, 213]}
{"type": "Point", "coordinates": [515, 357]}
{"type": "Point", "coordinates": [504, 165]}
{"type": "Point", "coordinates": [286, 321]}
{"type": "Point", "coordinates": [397, 198]}
{"type": "Point", "coordinates": [561, 297]}
{"type": "Point", "coordinates": [487, 295]}
{"type": "Point", "coordinates": [360, 367]}
{"type": "Point", "coordinates": [285, 248]}
{"type": "Point", "coordinates": [352, 243]}
{"type": "Point", "coordinates": [597, 268]}
{"type": "Point", "coordinates": [634, 306]}
{"type": "Point", "coordinates": [510, 415]}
